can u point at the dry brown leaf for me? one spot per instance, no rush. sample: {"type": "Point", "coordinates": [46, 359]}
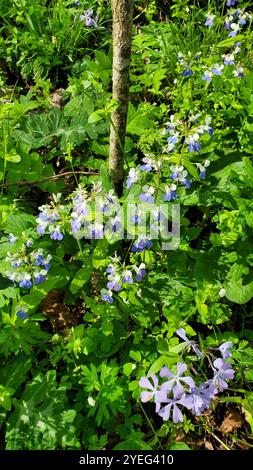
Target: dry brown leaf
{"type": "Point", "coordinates": [232, 421]}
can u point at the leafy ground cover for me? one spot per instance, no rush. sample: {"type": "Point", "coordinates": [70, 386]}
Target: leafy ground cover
{"type": "Point", "coordinates": [119, 344]}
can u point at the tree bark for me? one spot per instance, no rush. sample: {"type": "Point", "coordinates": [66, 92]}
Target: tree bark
{"type": "Point", "coordinates": [122, 15]}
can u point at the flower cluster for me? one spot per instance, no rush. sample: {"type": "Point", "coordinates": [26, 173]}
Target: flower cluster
{"type": "Point", "coordinates": [28, 268]}
{"type": "Point", "coordinates": [51, 217]}
{"type": "Point", "coordinates": [235, 21]}
{"type": "Point", "coordinates": [119, 275]}
{"type": "Point", "coordinates": [180, 390]}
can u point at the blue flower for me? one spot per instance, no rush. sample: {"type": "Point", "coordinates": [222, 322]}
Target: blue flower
{"type": "Point", "coordinates": [193, 143]}
{"type": "Point", "coordinates": [207, 76]}
{"type": "Point", "coordinates": [235, 30]}
{"type": "Point", "coordinates": [170, 193]}
{"type": "Point", "coordinates": [113, 282]}
{"type": "Point", "coordinates": [55, 233]}
{"type": "Point", "coordinates": [141, 245]}
{"type": "Point", "coordinates": [107, 296]}
{"type": "Point", "coordinates": [25, 281]}
{"type": "Point", "coordinates": [39, 276]}
{"type": "Point", "coordinates": [179, 398]}
{"type": "Point", "coordinates": [173, 138]}
{"type": "Point", "coordinates": [228, 59]}
{"type": "Point", "coordinates": [12, 238]}
{"type": "Point", "coordinates": [147, 195]}
{"type": "Point", "coordinates": [187, 73]}
{"type": "Point", "coordinates": [132, 177]}
{"type": "Point", "coordinates": [209, 20]}
{"type": "Point", "coordinates": [127, 277]}
{"type": "Point", "coordinates": [22, 314]}
{"type": "Point", "coordinates": [140, 272]}
{"type": "Point", "coordinates": [231, 3]}
{"type": "Point", "coordinates": [217, 69]}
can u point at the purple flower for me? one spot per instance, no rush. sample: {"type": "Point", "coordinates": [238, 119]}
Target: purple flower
{"type": "Point", "coordinates": [140, 272]}
{"type": "Point", "coordinates": [217, 69]}
{"type": "Point", "coordinates": [147, 195]}
{"type": "Point", "coordinates": [55, 233]}
{"type": "Point", "coordinates": [21, 314]}
{"type": "Point", "coordinates": [152, 390]}
{"type": "Point", "coordinates": [141, 245]}
{"type": "Point", "coordinates": [132, 177]}
{"type": "Point", "coordinates": [113, 282]}
{"type": "Point", "coordinates": [193, 143]}
{"type": "Point", "coordinates": [209, 20]}
{"type": "Point", "coordinates": [179, 398]}
{"type": "Point", "coordinates": [26, 282]}
{"type": "Point", "coordinates": [12, 239]}
{"type": "Point", "coordinates": [223, 373]}
{"type": "Point", "coordinates": [39, 277]}
{"type": "Point", "coordinates": [176, 379]}
{"type": "Point", "coordinates": [170, 193]}
{"type": "Point", "coordinates": [200, 398]}
{"type": "Point", "coordinates": [207, 76]}
{"type": "Point", "coordinates": [231, 3]}
{"type": "Point", "coordinates": [224, 348]}
{"type": "Point", "coordinates": [107, 296]}
{"type": "Point", "coordinates": [127, 277]}
{"type": "Point", "coordinates": [181, 333]}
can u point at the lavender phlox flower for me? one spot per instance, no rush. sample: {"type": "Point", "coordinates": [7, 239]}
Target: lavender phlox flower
{"type": "Point", "coordinates": [176, 379]}
{"type": "Point", "coordinates": [222, 373]}
{"type": "Point", "coordinates": [224, 348]}
{"type": "Point", "coordinates": [152, 389]}
{"type": "Point", "coordinates": [200, 399]}
{"type": "Point", "coordinates": [132, 177]}
{"type": "Point", "coordinates": [181, 333]}
{"type": "Point", "coordinates": [172, 407]}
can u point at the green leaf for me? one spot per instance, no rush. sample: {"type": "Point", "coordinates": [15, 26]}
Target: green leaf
{"type": "Point", "coordinates": [12, 157]}
{"type": "Point", "coordinates": [179, 446]}
{"type": "Point", "coordinates": [81, 277]}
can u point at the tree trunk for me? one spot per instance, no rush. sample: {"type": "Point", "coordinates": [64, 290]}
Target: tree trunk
{"type": "Point", "coordinates": [122, 14]}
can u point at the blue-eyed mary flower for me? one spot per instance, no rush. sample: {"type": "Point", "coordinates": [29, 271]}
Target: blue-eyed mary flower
{"type": "Point", "coordinates": [235, 30]}
{"type": "Point", "coordinates": [193, 143]}
{"type": "Point", "coordinates": [209, 19]}
{"type": "Point", "coordinates": [170, 192]}
{"type": "Point", "coordinates": [132, 177]}
{"type": "Point", "coordinates": [147, 195]}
